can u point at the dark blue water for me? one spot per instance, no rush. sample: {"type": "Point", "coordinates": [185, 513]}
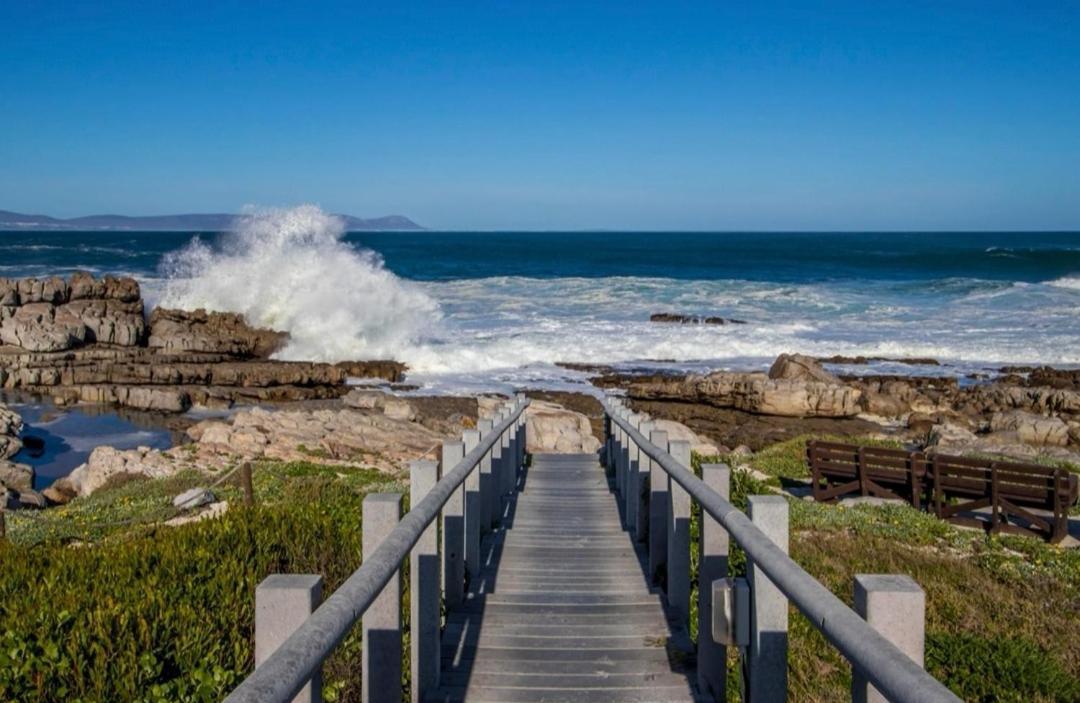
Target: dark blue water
{"type": "Point", "coordinates": [783, 257]}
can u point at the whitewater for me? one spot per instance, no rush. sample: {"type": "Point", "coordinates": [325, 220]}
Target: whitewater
{"type": "Point", "coordinates": [468, 310]}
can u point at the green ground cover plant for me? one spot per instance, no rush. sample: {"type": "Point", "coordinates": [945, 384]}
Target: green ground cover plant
{"type": "Point", "coordinates": [1003, 613]}
{"type": "Point", "coordinates": [143, 612]}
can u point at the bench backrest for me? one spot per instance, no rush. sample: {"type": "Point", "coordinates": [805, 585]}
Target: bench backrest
{"type": "Point", "coordinates": [1027, 484]}
{"type": "Point", "coordinates": [833, 459]}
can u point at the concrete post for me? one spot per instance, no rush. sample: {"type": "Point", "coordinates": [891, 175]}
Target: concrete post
{"type": "Point", "coordinates": [712, 566]}
{"type": "Point", "coordinates": [620, 451]}
{"type": "Point", "coordinates": [895, 606]}
{"type": "Point", "coordinates": [630, 480]}
{"type": "Point", "coordinates": [381, 623]}
{"type": "Point", "coordinates": [769, 608]}
{"type": "Point", "coordinates": [282, 603]}
{"type": "Point", "coordinates": [424, 606]}
{"type": "Point", "coordinates": [658, 510]}
{"type": "Point", "coordinates": [474, 508]}
{"type": "Point", "coordinates": [506, 464]}
{"type": "Point", "coordinates": [487, 485]}
{"type": "Point", "coordinates": [678, 537]}
{"type": "Point", "coordinates": [453, 531]}
{"type": "Point", "coordinates": [639, 479]}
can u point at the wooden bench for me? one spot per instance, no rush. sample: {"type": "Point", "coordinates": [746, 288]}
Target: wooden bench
{"type": "Point", "coordinates": [1010, 490]}
{"type": "Point", "coordinates": [841, 469]}
{"type": "Point", "coordinates": [957, 487]}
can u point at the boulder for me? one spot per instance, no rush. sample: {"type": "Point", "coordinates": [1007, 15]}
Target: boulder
{"type": "Point", "coordinates": [202, 331]}
{"type": "Point", "coordinates": [10, 427]}
{"type": "Point", "coordinates": [42, 327]}
{"type": "Point", "coordinates": [800, 367]}
{"type": "Point", "coordinates": [106, 462]}
{"type": "Point", "coordinates": [1032, 429]}
{"type": "Point", "coordinates": [61, 492]}
{"type": "Point", "coordinates": [110, 321]}
{"type": "Point", "coordinates": [553, 428]}
{"type": "Point", "coordinates": [947, 434]}
{"type": "Point", "coordinates": [193, 498]}
{"type": "Point", "coordinates": [19, 477]}
{"type": "Point", "coordinates": [680, 432]}
{"type": "Point", "coordinates": [755, 393]}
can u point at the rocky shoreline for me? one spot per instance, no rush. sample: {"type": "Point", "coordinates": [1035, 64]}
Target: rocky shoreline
{"type": "Point", "coordinates": [86, 340]}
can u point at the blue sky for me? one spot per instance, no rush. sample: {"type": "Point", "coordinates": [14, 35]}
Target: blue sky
{"type": "Point", "coordinates": [549, 115]}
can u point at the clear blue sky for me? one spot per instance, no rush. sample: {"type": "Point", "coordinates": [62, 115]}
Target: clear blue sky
{"type": "Point", "coordinates": [546, 115]}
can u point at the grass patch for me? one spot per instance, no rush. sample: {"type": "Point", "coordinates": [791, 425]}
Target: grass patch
{"type": "Point", "coordinates": [1003, 613]}
{"type": "Point", "coordinates": [154, 613]}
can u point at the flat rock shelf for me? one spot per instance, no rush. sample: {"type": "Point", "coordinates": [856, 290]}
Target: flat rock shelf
{"type": "Point", "coordinates": [563, 609]}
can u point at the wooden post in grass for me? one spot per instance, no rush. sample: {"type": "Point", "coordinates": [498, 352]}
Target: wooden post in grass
{"type": "Point", "coordinates": [246, 485]}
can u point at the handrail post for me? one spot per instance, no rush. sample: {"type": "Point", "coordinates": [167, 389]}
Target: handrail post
{"type": "Point", "coordinates": [381, 623]}
{"type": "Point", "coordinates": [714, 544]}
{"type": "Point", "coordinates": [895, 606]}
{"type": "Point", "coordinates": [630, 479]}
{"type": "Point", "coordinates": [282, 603]}
{"type": "Point", "coordinates": [474, 508]}
{"type": "Point", "coordinates": [769, 608]}
{"type": "Point", "coordinates": [453, 531]}
{"type": "Point", "coordinates": [678, 537]}
{"type": "Point", "coordinates": [424, 610]}
{"type": "Point", "coordinates": [487, 487]}
{"type": "Point", "coordinates": [506, 465]}
{"type": "Point", "coordinates": [498, 459]}
{"type": "Point", "coordinates": [658, 510]}
{"type": "Point", "coordinates": [620, 445]}
{"type": "Point", "coordinates": [637, 489]}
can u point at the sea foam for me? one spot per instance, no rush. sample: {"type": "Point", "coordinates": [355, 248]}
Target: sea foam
{"type": "Point", "coordinates": [288, 269]}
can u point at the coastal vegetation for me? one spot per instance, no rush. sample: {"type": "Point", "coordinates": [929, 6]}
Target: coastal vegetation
{"type": "Point", "coordinates": [1003, 612]}
{"type": "Point", "coordinates": [99, 602]}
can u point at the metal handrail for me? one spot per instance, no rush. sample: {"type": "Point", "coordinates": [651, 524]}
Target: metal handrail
{"type": "Point", "coordinates": [292, 665]}
{"type": "Point", "coordinates": [891, 671]}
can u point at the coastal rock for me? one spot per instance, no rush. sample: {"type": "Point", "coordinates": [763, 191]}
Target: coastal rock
{"type": "Point", "coordinates": [11, 425]}
{"type": "Point", "coordinates": [679, 432]}
{"type": "Point", "coordinates": [1032, 429]}
{"type": "Point", "coordinates": [392, 407]}
{"type": "Point", "coordinates": [800, 368]}
{"type": "Point", "coordinates": [193, 498]}
{"type": "Point", "coordinates": [335, 435]}
{"type": "Point", "coordinates": [59, 493]}
{"type": "Point", "coordinates": [16, 476]}
{"type": "Point", "coordinates": [553, 428]}
{"type": "Point", "coordinates": [756, 393]}
{"type": "Point", "coordinates": [214, 332]}
{"type": "Point", "coordinates": [106, 462]}
{"type": "Point", "coordinates": [678, 318]}
{"type": "Point", "coordinates": [109, 321]}
{"type": "Point", "coordinates": [41, 327]}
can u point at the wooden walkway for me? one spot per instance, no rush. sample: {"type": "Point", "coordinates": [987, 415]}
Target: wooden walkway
{"type": "Point", "coordinates": [562, 610]}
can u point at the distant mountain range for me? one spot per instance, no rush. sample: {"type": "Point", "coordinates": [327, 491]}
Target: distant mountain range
{"type": "Point", "coordinates": [214, 222]}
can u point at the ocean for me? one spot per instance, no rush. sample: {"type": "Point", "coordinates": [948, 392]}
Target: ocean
{"type": "Point", "coordinates": [470, 311]}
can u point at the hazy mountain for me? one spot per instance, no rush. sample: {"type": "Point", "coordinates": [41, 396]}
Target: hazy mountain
{"type": "Point", "coordinates": [213, 222]}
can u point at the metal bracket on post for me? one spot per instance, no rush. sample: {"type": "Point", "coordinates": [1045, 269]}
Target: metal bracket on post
{"type": "Point", "coordinates": [731, 612]}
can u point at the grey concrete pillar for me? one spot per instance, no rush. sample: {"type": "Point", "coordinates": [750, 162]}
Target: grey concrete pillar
{"type": "Point", "coordinates": [638, 482]}
{"type": "Point", "coordinates": [895, 606]}
{"type": "Point", "coordinates": [424, 605]}
{"type": "Point", "coordinates": [712, 565]}
{"type": "Point", "coordinates": [620, 451]}
{"type": "Point", "coordinates": [678, 537]}
{"type": "Point", "coordinates": [381, 623]}
{"type": "Point", "coordinates": [506, 462]}
{"type": "Point", "coordinates": [453, 530]}
{"type": "Point", "coordinates": [474, 509]}
{"type": "Point", "coordinates": [282, 603]}
{"type": "Point", "coordinates": [769, 608]}
{"type": "Point", "coordinates": [487, 485]}
{"type": "Point", "coordinates": [658, 510]}
{"type": "Point", "coordinates": [630, 479]}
